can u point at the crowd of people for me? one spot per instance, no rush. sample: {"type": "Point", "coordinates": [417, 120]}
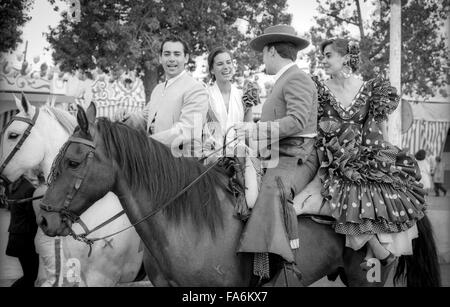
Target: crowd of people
{"type": "Point", "coordinates": [333, 128]}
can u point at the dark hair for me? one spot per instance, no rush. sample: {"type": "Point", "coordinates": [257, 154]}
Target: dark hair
{"type": "Point", "coordinates": [88, 74]}
{"type": "Point", "coordinates": [285, 50]}
{"type": "Point", "coordinates": [420, 155]}
{"type": "Point", "coordinates": [175, 39]}
{"type": "Point", "coordinates": [344, 47]}
{"type": "Point", "coordinates": [212, 55]}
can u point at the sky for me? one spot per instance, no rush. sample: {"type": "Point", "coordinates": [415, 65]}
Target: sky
{"type": "Point", "coordinates": [44, 16]}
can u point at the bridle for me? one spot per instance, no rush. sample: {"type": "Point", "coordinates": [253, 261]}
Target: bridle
{"type": "Point", "coordinates": [31, 122]}
{"type": "Point", "coordinates": [65, 212]}
{"type": "Point", "coordinates": [4, 181]}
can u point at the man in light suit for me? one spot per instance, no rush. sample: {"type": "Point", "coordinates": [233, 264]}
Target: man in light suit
{"type": "Point", "coordinates": [177, 108]}
{"type": "Point", "coordinates": [288, 124]}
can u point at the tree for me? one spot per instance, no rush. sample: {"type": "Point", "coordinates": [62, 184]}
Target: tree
{"type": "Point", "coordinates": [424, 53]}
{"type": "Point", "coordinates": [126, 34]}
{"type": "Point", "coordinates": [13, 15]}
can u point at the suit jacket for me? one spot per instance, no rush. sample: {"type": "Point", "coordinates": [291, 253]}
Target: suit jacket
{"type": "Point", "coordinates": [176, 114]}
{"type": "Point", "coordinates": [291, 111]}
{"type": "Point", "coordinates": [23, 218]}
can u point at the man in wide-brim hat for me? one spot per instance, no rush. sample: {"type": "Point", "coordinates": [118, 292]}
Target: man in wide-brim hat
{"type": "Point", "coordinates": [289, 120]}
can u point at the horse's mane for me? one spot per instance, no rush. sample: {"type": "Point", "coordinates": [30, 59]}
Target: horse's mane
{"type": "Point", "coordinates": [64, 118]}
{"type": "Point", "coordinates": [149, 164]}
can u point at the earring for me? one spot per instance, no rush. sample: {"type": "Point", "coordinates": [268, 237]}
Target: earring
{"type": "Point", "coordinates": [346, 71]}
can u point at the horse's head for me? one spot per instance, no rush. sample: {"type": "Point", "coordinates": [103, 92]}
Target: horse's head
{"type": "Point", "coordinates": [82, 173]}
{"type": "Point", "coordinates": [21, 133]}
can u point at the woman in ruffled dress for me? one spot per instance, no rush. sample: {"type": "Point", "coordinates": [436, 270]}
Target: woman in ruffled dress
{"type": "Point", "coordinates": [370, 185]}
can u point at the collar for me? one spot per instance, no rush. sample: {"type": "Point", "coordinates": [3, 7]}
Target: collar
{"type": "Point", "coordinates": [172, 80]}
{"type": "Point", "coordinates": [282, 71]}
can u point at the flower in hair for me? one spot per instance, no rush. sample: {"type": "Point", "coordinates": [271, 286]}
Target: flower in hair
{"type": "Point", "coordinates": [353, 47]}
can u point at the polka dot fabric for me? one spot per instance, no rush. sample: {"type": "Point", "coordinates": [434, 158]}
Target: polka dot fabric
{"type": "Point", "coordinates": [370, 185]}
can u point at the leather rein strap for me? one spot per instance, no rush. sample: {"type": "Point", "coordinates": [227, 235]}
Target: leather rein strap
{"type": "Point", "coordinates": [76, 185]}
{"type": "Point", "coordinates": [31, 123]}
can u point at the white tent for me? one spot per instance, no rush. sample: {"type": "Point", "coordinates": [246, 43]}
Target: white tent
{"type": "Point", "coordinates": [431, 121]}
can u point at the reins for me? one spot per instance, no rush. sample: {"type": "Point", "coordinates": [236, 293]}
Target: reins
{"type": "Point", "coordinates": [22, 200]}
{"type": "Point", "coordinates": [90, 241]}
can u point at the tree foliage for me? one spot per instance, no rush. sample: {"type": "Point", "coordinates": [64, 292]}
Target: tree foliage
{"type": "Point", "coordinates": [13, 15]}
{"type": "Point", "coordinates": [126, 34]}
{"type": "Point", "coordinates": [425, 58]}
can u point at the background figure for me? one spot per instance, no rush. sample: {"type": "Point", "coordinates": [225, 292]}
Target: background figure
{"type": "Point", "coordinates": [438, 177]}
{"type": "Point", "coordinates": [432, 162]}
{"type": "Point", "coordinates": [225, 99]}
{"type": "Point", "coordinates": [425, 169]}
{"type": "Point", "coordinates": [176, 112]}
{"type": "Point", "coordinates": [227, 105]}
{"type": "Point", "coordinates": [22, 230]}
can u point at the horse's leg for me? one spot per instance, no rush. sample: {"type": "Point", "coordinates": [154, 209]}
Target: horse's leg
{"type": "Point", "coordinates": [46, 247]}
{"type": "Point", "coordinates": [49, 250]}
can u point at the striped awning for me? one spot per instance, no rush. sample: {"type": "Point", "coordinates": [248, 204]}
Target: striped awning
{"type": "Point", "coordinates": [428, 135]}
{"type": "Point", "coordinates": [431, 121]}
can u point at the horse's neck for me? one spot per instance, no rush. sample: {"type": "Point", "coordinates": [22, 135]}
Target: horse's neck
{"type": "Point", "coordinates": [136, 207]}
{"type": "Point", "coordinates": [172, 244]}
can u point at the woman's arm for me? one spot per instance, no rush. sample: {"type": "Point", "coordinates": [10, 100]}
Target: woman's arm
{"type": "Point", "coordinates": [383, 129]}
{"type": "Point", "coordinates": [248, 115]}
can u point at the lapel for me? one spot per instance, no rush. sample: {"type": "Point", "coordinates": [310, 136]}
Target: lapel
{"type": "Point", "coordinates": [217, 104]}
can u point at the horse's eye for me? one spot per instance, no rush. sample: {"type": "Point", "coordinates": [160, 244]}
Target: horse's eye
{"type": "Point", "coordinates": [13, 136]}
{"type": "Point", "coordinates": [73, 164]}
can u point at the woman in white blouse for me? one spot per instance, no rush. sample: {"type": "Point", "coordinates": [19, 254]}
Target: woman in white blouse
{"type": "Point", "coordinates": [228, 105]}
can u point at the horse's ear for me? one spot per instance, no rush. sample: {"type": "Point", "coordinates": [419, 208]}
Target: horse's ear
{"type": "Point", "coordinates": [91, 112]}
{"type": "Point", "coordinates": [26, 105]}
{"type": "Point", "coordinates": [82, 120]}
{"type": "Point", "coordinates": [18, 104]}
{"type": "Point", "coordinates": [53, 102]}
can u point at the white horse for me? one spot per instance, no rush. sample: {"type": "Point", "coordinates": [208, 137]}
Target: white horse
{"type": "Point", "coordinates": [63, 260]}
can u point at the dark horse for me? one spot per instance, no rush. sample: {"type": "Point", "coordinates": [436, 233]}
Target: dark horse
{"type": "Point", "coordinates": [192, 241]}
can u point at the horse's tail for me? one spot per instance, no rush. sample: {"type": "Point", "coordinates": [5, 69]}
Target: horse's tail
{"type": "Point", "coordinates": [422, 268]}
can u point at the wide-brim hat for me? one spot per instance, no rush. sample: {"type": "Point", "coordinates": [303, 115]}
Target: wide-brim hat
{"type": "Point", "coordinates": [278, 34]}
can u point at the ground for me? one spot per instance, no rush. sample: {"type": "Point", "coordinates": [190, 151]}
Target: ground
{"type": "Point", "coordinates": [438, 212]}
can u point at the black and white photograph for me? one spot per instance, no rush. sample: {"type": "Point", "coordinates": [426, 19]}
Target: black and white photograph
{"type": "Point", "coordinates": [219, 145]}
